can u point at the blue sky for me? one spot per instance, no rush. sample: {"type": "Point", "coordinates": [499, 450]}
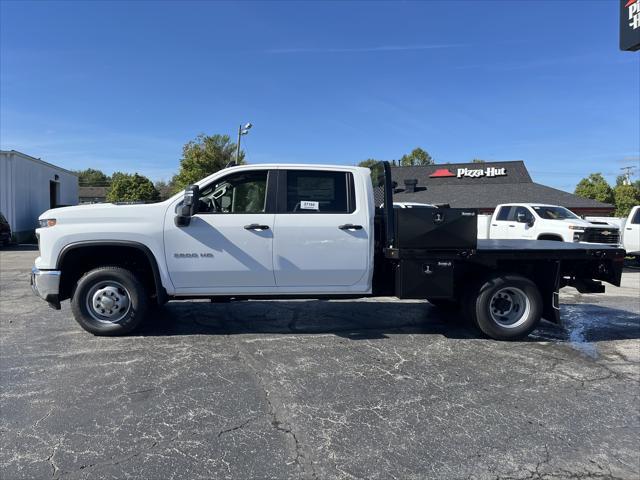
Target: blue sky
{"type": "Point", "coordinates": [122, 86]}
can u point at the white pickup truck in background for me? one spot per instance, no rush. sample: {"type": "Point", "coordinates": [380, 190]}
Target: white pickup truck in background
{"type": "Point", "coordinates": [533, 221]}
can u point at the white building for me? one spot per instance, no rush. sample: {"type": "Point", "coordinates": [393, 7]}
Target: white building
{"type": "Point", "coordinates": [28, 187]}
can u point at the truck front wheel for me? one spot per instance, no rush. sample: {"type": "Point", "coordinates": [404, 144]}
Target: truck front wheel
{"type": "Point", "coordinates": [109, 301]}
{"type": "Point", "coordinates": [507, 307]}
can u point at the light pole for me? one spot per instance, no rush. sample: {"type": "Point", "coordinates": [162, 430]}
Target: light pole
{"type": "Point", "coordinates": [242, 130]}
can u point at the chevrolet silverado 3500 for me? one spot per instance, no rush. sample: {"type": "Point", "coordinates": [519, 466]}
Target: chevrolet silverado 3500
{"type": "Point", "coordinates": [302, 231]}
{"type": "Point", "coordinates": [537, 221]}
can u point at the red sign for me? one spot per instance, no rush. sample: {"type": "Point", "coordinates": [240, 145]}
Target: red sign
{"type": "Point", "coordinates": [442, 172]}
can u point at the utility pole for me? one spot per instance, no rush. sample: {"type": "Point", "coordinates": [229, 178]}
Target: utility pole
{"type": "Point", "coordinates": [627, 172]}
{"type": "Point", "coordinates": [242, 130]}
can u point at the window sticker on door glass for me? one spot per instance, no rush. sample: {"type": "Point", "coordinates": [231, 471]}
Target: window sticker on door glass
{"type": "Point", "coordinates": [308, 205]}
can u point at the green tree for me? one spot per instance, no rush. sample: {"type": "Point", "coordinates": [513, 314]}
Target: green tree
{"type": "Point", "coordinates": [376, 169]}
{"type": "Point", "coordinates": [477, 160]}
{"type": "Point", "coordinates": [369, 162]}
{"type": "Point", "coordinates": [417, 157]}
{"type": "Point", "coordinates": [127, 187]}
{"type": "Point", "coordinates": [165, 189]}
{"type": "Point", "coordinates": [90, 177]}
{"type": "Point", "coordinates": [626, 197]}
{"type": "Point", "coordinates": [595, 187]}
{"type": "Point", "coordinates": [620, 179]}
{"type": "Point", "coordinates": [203, 156]}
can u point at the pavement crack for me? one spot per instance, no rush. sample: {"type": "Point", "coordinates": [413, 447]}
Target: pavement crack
{"type": "Point", "coordinates": [237, 427]}
{"type": "Point", "coordinates": [50, 459]}
{"type": "Point", "coordinates": [43, 418]}
{"type": "Point", "coordinates": [277, 412]}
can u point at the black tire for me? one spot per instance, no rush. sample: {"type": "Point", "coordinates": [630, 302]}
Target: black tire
{"type": "Point", "coordinates": [551, 238]}
{"type": "Point", "coordinates": [506, 307]}
{"type": "Point", "coordinates": [444, 304]}
{"type": "Point", "coordinates": [98, 285]}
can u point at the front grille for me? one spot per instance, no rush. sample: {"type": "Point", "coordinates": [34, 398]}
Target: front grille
{"type": "Point", "coordinates": [602, 235]}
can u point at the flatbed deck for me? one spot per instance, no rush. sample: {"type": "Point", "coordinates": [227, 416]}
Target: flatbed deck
{"type": "Point", "coordinates": [547, 249]}
{"type": "Point", "coordinates": [541, 245]}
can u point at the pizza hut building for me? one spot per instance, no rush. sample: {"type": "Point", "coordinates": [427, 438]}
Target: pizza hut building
{"type": "Point", "coordinates": [483, 186]}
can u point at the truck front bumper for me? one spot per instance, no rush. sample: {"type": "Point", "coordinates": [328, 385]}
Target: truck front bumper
{"type": "Point", "coordinates": [46, 285]}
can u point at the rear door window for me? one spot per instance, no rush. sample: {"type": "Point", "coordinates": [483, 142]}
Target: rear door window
{"type": "Point", "coordinates": [503, 214]}
{"type": "Point", "coordinates": [309, 191]}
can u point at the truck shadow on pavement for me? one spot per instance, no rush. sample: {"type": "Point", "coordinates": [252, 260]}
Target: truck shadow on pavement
{"type": "Point", "coordinates": [360, 320]}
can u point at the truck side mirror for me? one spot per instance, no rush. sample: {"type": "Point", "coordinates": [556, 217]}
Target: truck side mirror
{"type": "Point", "coordinates": [189, 206]}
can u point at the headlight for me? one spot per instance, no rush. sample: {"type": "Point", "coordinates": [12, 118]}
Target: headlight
{"type": "Point", "coordinates": [47, 222]}
{"type": "Point", "coordinates": [575, 227]}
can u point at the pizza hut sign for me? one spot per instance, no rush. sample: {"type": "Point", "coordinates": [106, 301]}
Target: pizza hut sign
{"type": "Point", "coordinates": [630, 25]}
{"type": "Point", "coordinates": [488, 172]}
{"type": "Point", "coordinates": [481, 172]}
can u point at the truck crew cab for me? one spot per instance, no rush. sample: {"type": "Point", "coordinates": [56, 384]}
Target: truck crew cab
{"type": "Point", "coordinates": [301, 231]}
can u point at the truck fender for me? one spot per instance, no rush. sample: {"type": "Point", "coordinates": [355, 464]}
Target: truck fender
{"type": "Point", "coordinates": [161, 292]}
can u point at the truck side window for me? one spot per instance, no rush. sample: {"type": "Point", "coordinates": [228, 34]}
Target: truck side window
{"type": "Point", "coordinates": [243, 192]}
{"type": "Point", "coordinates": [636, 217]}
{"type": "Point", "coordinates": [503, 214]}
{"type": "Point", "coordinates": [316, 191]}
{"type": "Point", "coordinates": [527, 214]}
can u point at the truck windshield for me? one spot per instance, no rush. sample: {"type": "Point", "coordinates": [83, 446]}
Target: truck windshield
{"type": "Point", "coordinates": [554, 213]}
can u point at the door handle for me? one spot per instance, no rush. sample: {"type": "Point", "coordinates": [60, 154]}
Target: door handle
{"type": "Point", "coordinates": [349, 226]}
{"type": "Point", "coordinates": [494, 224]}
{"type": "Point", "coordinates": [256, 226]}
{"type": "Point", "coordinates": [628, 228]}
{"type": "Point", "coordinates": [512, 226]}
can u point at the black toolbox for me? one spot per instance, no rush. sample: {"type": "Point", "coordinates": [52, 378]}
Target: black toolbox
{"type": "Point", "coordinates": [436, 228]}
{"type": "Point", "coordinates": [420, 231]}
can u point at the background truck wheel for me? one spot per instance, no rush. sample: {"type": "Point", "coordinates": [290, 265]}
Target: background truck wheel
{"type": "Point", "coordinates": [444, 304]}
{"type": "Point", "coordinates": [507, 307]}
{"type": "Point", "coordinates": [109, 301]}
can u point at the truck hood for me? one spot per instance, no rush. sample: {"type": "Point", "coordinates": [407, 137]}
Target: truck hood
{"type": "Point", "coordinates": [104, 211]}
{"type": "Point", "coordinates": [578, 222]}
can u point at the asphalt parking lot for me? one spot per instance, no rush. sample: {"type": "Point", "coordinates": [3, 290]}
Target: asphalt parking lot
{"type": "Point", "coordinates": [317, 389]}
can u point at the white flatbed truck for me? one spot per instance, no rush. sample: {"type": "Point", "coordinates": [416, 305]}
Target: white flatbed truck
{"type": "Point", "coordinates": [301, 231]}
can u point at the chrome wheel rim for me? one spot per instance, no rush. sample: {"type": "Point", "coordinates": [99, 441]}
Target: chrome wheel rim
{"type": "Point", "coordinates": [108, 302]}
{"type": "Point", "coordinates": [509, 307]}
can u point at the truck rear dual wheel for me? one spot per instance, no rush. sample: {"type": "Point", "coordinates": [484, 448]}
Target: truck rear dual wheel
{"type": "Point", "coordinates": [506, 307]}
{"type": "Point", "coordinates": [109, 301]}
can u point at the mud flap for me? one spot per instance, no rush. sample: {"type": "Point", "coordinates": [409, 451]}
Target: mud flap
{"type": "Point", "coordinates": [551, 298]}
{"type": "Point", "coordinates": [610, 270]}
